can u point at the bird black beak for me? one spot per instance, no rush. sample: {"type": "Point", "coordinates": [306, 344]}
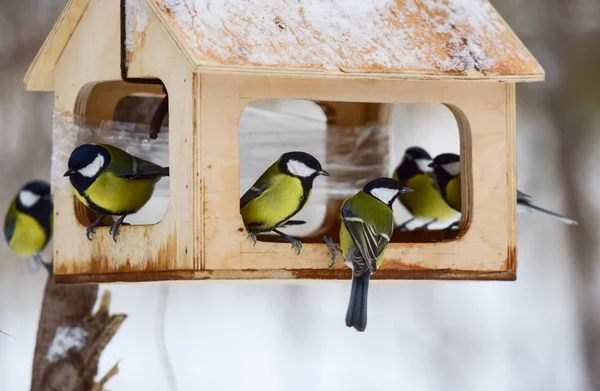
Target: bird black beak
{"type": "Point", "coordinates": [405, 189]}
{"type": "Point", "coordinates": [69, 172]}
{"type": "Point", "coordinates": [324, 173]}
{"type": "Point", "coordinates": [432, 165]}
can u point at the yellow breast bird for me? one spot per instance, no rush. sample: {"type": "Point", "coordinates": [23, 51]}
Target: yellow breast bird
{"type": "Point", "coordinates": [110, 181]}
{"type": "Point", "coordinates": [425, 202]}
{"type": "Point", "coordinates": [447, 172]}
{"type": "Point", "coordinates": [279, 193]}
{"type": "Point", "coordinates": [366, 229]}
{"type": "Point", "coordinates": [28, 223]}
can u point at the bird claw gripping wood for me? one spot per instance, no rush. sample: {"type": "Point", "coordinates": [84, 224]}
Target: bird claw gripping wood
{"type": "Point", "coordinates": [332, 249]}
{"type": "Point", "coordinates": [253, 236]}
{"type": "Point", "coordinates": [114, 229]}
{"type": "Point", "coordinates": [296, 244]}
{"type": "Point", "coordinates": [293, 241]}
{"type": "Point", "coordinates": [89, 232]}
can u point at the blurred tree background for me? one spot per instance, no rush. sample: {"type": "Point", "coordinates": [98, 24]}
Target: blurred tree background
{"type": "Point", "coordinates": [551, 316]}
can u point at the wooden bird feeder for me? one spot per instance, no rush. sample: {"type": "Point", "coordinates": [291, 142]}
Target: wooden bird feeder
{"type": "Point", "coordinates": [355, 59]}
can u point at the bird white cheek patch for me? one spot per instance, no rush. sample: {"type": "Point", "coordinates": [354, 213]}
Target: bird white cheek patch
{"type": "Point", "coordinates": [423, 165]}
{"type": "Point", "coordinates": [452, 168]}
{"type": "Point", "coordinates": [384, 194]}
{"type": "Point", "coordinates": [27, 198]}
{"type": "Point", "coordinates": [92, 169]}
{"type": "Point", "coordinates": [299, 169]}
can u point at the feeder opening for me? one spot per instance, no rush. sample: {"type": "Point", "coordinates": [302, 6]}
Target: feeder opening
{"type": "Point", "coordinates": [354, 142]}
{"type": "Point", "coordinates": [119, 113]}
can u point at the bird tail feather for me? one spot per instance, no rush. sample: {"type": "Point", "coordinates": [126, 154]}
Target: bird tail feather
{"type": "Point", "coordinates": [529, 207]}
{"type": "Point", "coordinates": [356, 316]}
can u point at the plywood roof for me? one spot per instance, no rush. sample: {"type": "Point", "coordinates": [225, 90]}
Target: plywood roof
{"type": "Point", "coordinates": [411, 38]}
{"type": "Point", "coordinates": [414, 39]}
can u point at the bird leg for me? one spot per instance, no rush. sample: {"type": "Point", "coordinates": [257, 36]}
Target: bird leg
{"type": "Point", "coordinates": [295, 242]}
{"type": "Point", "coordinates": [90, 230]}
{"type": "Point", "coordinates": [33, 263]}
{"type": "Point", "coordinates": [114, 229]}
{"type": "Point", "coordinates": [39, 258]}
{"type": "Point", "coordinates": [253, 236]}
{"type": "Point", "coordinates": [403, 225]}
{"type": "Point", "coordinates": [332, 248]}
{"type": "Point", "coordinates": [425, 226]}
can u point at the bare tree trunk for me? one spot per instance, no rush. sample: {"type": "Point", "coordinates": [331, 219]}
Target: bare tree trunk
{"type": "Point", "coordinates": [70, 338]}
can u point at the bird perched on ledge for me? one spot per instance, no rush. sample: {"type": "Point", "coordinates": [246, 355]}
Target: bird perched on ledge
{"type": "Point", "coordinates": [425, 201]}
{"type": "Point", "coordinates": [110, 181]}
{"type": "Point", "coordinates": [279, 194]}
{"type": "Point", "coordinates": [28, 223]}
{"type": "Point", "coordinates": [447, 172]}
{"type": "Point", "coordinates": [366, 229]}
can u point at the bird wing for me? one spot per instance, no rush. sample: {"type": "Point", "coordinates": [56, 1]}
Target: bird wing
{"type": "Point", "coordinates": [10, 221]}
{"type": "Point", "coordinates": [369, 243]}
{"type": "Point", "coordinates": [253, 192]}
{"type": "Point", "coordinates": [127, 166]}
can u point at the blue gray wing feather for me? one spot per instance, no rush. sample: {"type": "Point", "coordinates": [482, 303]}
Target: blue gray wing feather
{"type": "Point", "coordinates": [369, 243]}
{"type": "Point", "coordinates": [10, 222]}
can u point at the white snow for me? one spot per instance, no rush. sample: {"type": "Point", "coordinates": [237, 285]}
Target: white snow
{"type": "Point", "coordinates": [65, 339]}
{"type": "Point", "coordinates": [136, 21]}
{"type": "Point", "coordinates": [369, 35]}
{"type": "Point", "coordinates": [64, 140]}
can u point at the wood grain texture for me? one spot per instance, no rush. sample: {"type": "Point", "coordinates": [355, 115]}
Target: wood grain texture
{"type": "Point", "coordinates": [417, 40]}
{"type": "Point", "coordinates": [409, 39]}
{"type": "Point", "coordinates": [486, 242]}
{"type": "Point", "coordinates": [168, 244]}
{"type": "Point", "coordinates": [40, 75]}
{"type": "Point", "coordinates": [202, 235]}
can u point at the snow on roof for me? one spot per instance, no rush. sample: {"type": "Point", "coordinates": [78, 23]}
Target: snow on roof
{"type": "Point", "coordinates": [428, 37]}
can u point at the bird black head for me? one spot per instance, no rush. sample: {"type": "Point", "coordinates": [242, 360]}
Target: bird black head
{"type": "Point", "coordinates": [416, 153]}
{"type": "Point", "coordinates": [301, 165]}
{"type": "Point", "coordinates": [87, 160]}
{"type": "Point", "coordinates": [449, 163]}
{"type": "Point", "coordinates": [415, 161]}
{"type": "Point", "coordinates": [34, 193]}
{"type": "Point", "coordinates": [385, 190]}
{"type": "Point", "coordinates": [35, 199]}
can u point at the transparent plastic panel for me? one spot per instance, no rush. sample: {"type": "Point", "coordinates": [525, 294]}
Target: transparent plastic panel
{"type": "Point", "coordinates": [269, 129]}
{"type": "Point", "coordinates": [102, 116]}
{"type": "Point", "coordinates": [353, 155]}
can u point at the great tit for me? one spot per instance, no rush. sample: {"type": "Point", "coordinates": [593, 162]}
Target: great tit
{"type": "Point", "coordinates": [447, 172]}
{"type": "Point", "coordinates": [279, 193]}
{"type": "Point", "coordinates": [110, 181]}
{"type": "Point", "coordinates": [446, 168]}
{"type": "Point", "coordinates": [28, 223]}
{"type": "Point", "coordinates": [366, 229]}
{"type": "Point", "coordinates": [425, 201]}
